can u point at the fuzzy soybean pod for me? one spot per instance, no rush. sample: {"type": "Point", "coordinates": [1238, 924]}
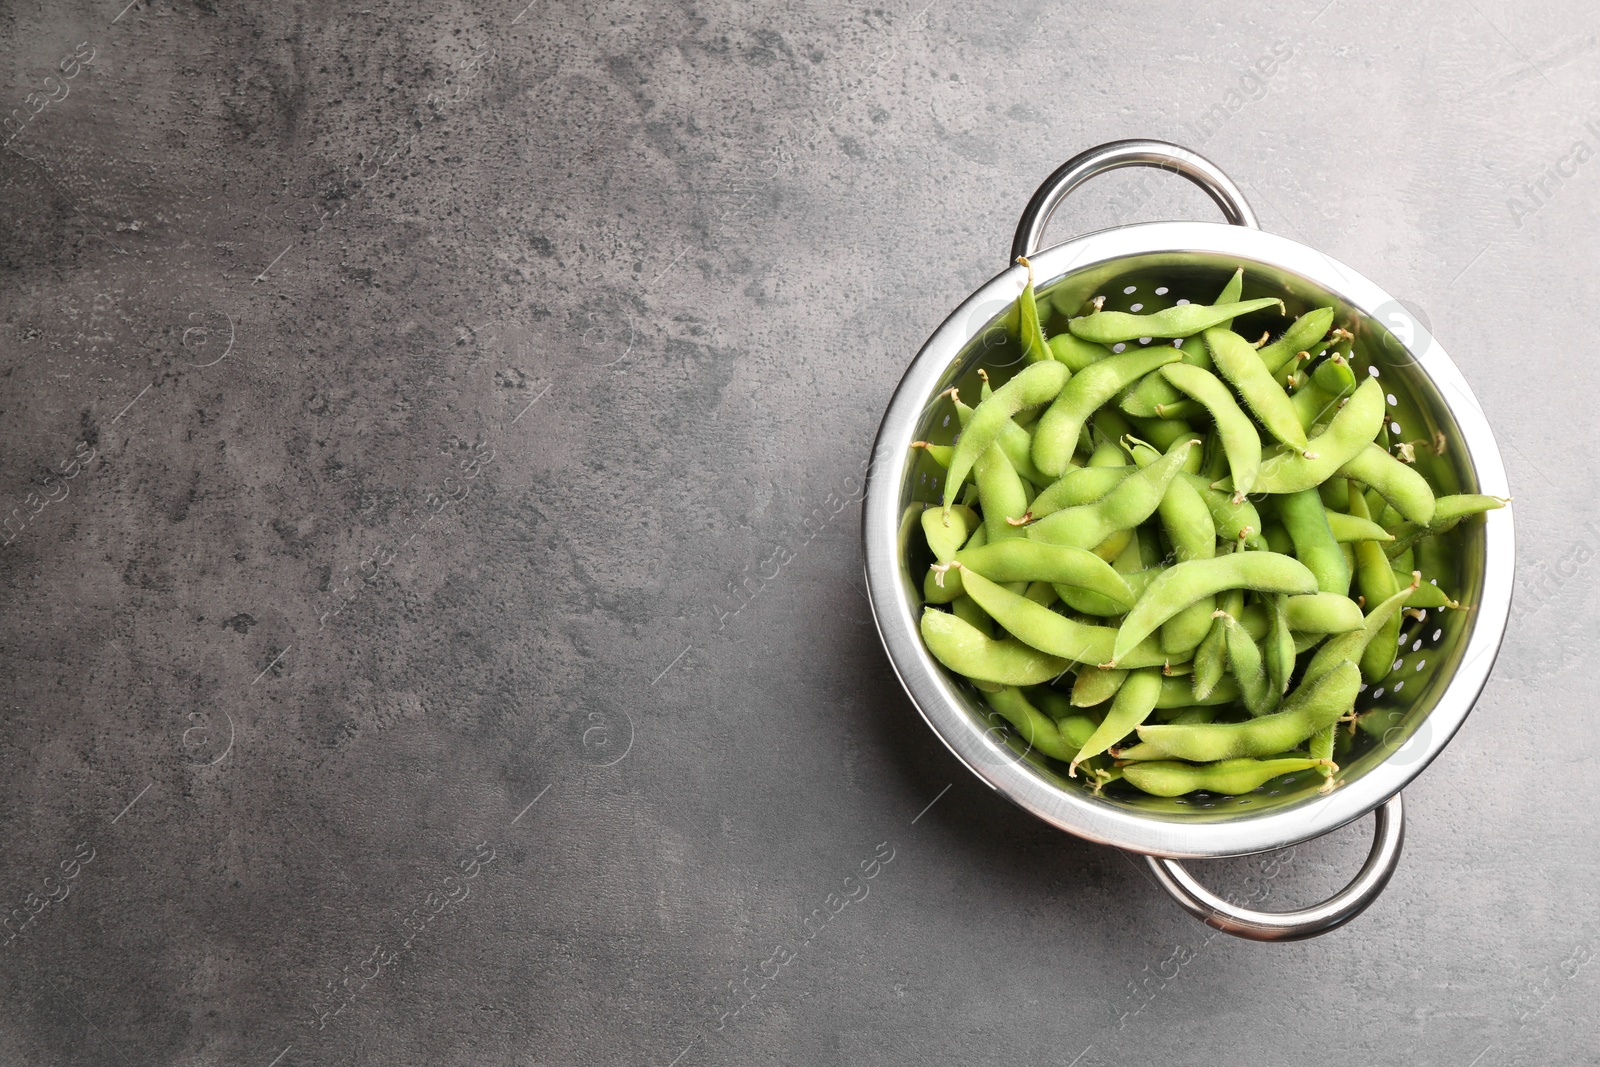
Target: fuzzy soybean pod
{"type": "Point", "coordinates": [1241, 366]}
{"type": "Point", "coordinates": [1094, 686]}
{"type": "Point", "coordinates": [1056, 435]}
{"type": "Point", "coordinates": [1236, 521]}
{"type": "Point", "coordinates": [1037, 729]}
{"type": "Point", "coordinates": [1092, 603]}
{"type": "Point", "coordinates": [1034, 347]}
{"type": "Point", "coordinates": [1187, 522]}
{"type": "Point", "coordinates": [1353, 645]}
{"type": "Point", "coordinates": [942, 584]}
{"type": "Point", "coordinates": [1377, 583]}
{"type": "Point", "coordinates": [1301, 335]}
{"type": "Point", "coordinates": [1001, 494]}
{"type": "Point", "coordinates": [1014, 441]}
{"type": "Point", "coordinates": [1024, 560]}
{"type": "Point", "coordinates": [968, 651]}
{"type": "Point", "coordinates": [1244, 663]}
{"type": "Point", "coordinates": [1306, 520]}
{"type": "Point", "coordinates": [1211, 658]}
{"type": "Point", "coordinates": [945, 539]}
{"type": "Point", "coordinates": [1334, 376]}
{"type": "Point", "coordinates": [1081, 485]}
{"type": "Point", "coordinates": [1313, 405]}
{"type": "Point", "coordinates": [1183, 320]}
{"type": "Point", "coordinates": [1309, 708]}
{"type": "Point", "coordinates": [1279, 650]}
{"type": "Point", "coordinates": [1034, 385]}
{"type": "Point", "coordinates": [1397, 483]}
{"type": "Point", "coordinates": [1323, 613]}
{"type": "Point", "coordinates": [1046, 630]}
{"type": "Point", "coordinates": [1448, 511]}
{"type": "Point", "coordinates": [1176, 692]}
{"type": "Point", "coordinates": [1075, 353]}
{"type": "Point", "coordinates": [1184, 583]}
{"type": "Point", "coordinates": [1145, 396]}
{"type": "Point", "coordinates": [1286, 470]}
{"type": "Point", "coordinates": [1173, 778]}
{"type": "Point", "coordinates": [1133, 501]}
{"type": "Point", "coordinates": [1348, 529]}
{"type": "Point", "coordinates": [1132, 705]}
{"type": "Point", "coordinates": [1240, 441]}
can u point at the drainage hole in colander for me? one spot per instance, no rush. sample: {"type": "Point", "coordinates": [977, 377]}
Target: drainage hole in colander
{"type": "Point", "coordinates": [1161, 290]}
{"type": "Point", "coordinates": [1421, 663]}
{"type": "Point", "coordinates": [1135, 307]}
{"type": "Point", "coordinates": [1130, 289]}
{"type": "Point", "coordinates": [1377, 693]}
{"type": "Point", "coordinates": [1399, 686]}
{"type": "Point", "coordinates": [1438, 634]}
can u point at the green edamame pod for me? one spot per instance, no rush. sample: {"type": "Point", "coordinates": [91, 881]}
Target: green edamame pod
{"type": "Point", "coordinates": [940, 454]}
{"type": "Point", "coordinates": [1308, 709]}
{"type": "Point", "coordinates": [1046, 630]}
{"type": "Point", "coordinates": [1321, 749]}
{"type": "Point", "coordinates": [1352, 645]}
{"type": "Point", "coordinates": [1037, 729]}
{"type": "Point", "coordinates": [1184, 583]}
{"type": "Point", "coordinates": [1347, 529]}
{"type": "Point", "coordinates": [1280, 649]}
{"type": "Point", "coordinates": [946, 539]}
{"type": "Point", "coordinates": [1162, 432]}
{"type": "Point", "coordinates": [1211, 658]}
{"type": "Point", "coordinates": [1001, 495]}
{"type": "Point", "coordinates": [1334, 376]}
{"type": "Point", "coordinates": [1106, 454]}
{"type": "Point", "coordinates": [1448, 511]}
{"type": "Point", "coordinates": [1076, 354]}
{"type": "Point", "coordinates": [1081, 485]}
{"type": "Point", "coordinates": [1178, 692]}
{"type": "Point", "coordinates": [941, 584]}
{"type": "Point", "coordinates": [1034, 385]}
{"type": "Point", "coordinates": [1377, 583]}
{"type": "Point", "coordinates": [1312, 405]}
{"type": "Point", "coordinates": [1170, 778]}
{"type": "Point", "coordinates": [1397, 483]}
{"type": "Point", "coordinates": [1014, 441]}
{"type": "Point", "coordinates": [1335, 494]}
{"type": "Point", "coordinates": [1244, 663]}
{"type": "Point", "coordinates": [1286, 470]}
{"type": "Point", "coordinates": [1306, 520]}
{"type": "Point", "coordinates": [1056, 435]}
{"type": "Point", "coordinates": [1426, 594]}
{"type": "Point", "coordinates": [1230, 294]}
{"type": "Point", "coordinates": [1094, 686]}
{"type": "Point", "coordinates": [1041, 593]}
{"type": "Point", "coordinates": [1183, 320]}
{"type": "Point", "coordinates": [1240, 441]}
{"type": "Point", "coordinates": [1323, 613]}
{"type": "Point", "coordinates": [967, 610]}
{"type": "Point", "coordinates": [1236, 521]}
{"type": "Point", "coordinates": [1186, 716]}
{"type": "Point", "coordinates": [1237, 361]}
{"type": "Point", "coordinates": [1034, 347]}
{"type": "Point", "coordinates": [1024, 560]}
{"type": "Point", "coordinates": [1303, 333]}
{"type": "Point", "coordinates": [1146, 395]}
{"type": "Point", "coordinates": [1134, 702]}
{"type": "Point", "coordinates": [1277, 538]}
{"type": "Point", "coordinates": [968, 651]}
{"type": "Point", "coordinates": [1133, 501]}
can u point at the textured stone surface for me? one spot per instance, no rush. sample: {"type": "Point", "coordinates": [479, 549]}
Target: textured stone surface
{"type": "Point", "coordinates": [443, 369]}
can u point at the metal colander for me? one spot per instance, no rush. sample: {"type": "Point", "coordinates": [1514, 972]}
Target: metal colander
{"type": "Point", "coordinates": [1443, 658]}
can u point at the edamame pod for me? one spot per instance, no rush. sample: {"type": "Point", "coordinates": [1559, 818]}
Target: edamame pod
{"type": "Point", "coordinates": [1351, 430]}
{"type": "Point", "coordinates": [1034, 346]}
{"type": "Point", "coordinates": [1377, 583]}
{"type": "Point", "coordinates": [1301, 335]}
{"type": "Point", "coordinates": [1183, 320]}
{"type": "Point", "coordinates": [1399, 484]}
{"type": "Point", "coordinates": [1024, 560]}
{"type": "Point", "coordinates": [1347, 529]}
{"type": "Point", "coordinates": [1034, 385]}
{"type": "Point", "coordinates": [1133, 501]}
{"type": "Point", "coordinates": [1323, 613]}
{"type": "Point", "coordinates": [1240, 441]}
{"type": "Point", "coordinates": [941, 584]}
{"type": "Point", "coordinates": [945, 539]}
{"type": "Point", "coordinates": [1049, 632]}
{"type": "Point", "coordinates": [1352, 645]}
{"type": "Point", "coordinates": [968, 651]}
{"type": "Point", "coordinates": [1236, 520]}
{"type": "Point", "coordinates": [1001, 495]}
{"type": "Point", "coordinates": [1081, 485]}
{"type": "Point", "coordinates": [1134, 702]}
{"type": "Point", "coordinates": [1170, 778]}
{"type": "Point", "coordinates": [1037, 729]}
{"type": "Point", "coordinates": [1094, 686]}
{"type": "Point", "coordinates": [1309, 708]}
{"type": "Point", "coordinates": [1177, 692]}
{"type": "Point", "coordinates": [1076, 354]}
{"type": "Point", "coordinates": [1056, 435]}
{"type": "Point", "coordinates": [1239, 364]}
{"type": "Point", "coordinates": [1184, 583]}
{"type": "Point", "coordinates": [1244, 663]}
{"type": "Point", "coordinates": [1448, 511]}
{"type": "Point", "coordinates": [1279, 650]}
{"type": "Point", "coordinates": [1014, 441]}
{"type": "Point", "coordinates": [1306, 521]}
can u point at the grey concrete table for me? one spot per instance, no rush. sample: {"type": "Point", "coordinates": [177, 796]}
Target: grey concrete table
{"type": "Point", "coordinates": [432, 629]}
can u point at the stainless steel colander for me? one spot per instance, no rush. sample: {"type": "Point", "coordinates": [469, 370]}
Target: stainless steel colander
{"type": "Point", "coordinates": [1443, 659]}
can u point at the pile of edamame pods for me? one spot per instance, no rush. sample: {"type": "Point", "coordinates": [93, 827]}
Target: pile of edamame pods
{"type": "Point", "coordinates": [1172, 556]}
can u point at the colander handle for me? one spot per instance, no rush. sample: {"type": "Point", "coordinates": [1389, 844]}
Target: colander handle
{"type": "Point", "coordinates": [1131, 153]}
{"type": "Point", "coordinates": [1197, 900]}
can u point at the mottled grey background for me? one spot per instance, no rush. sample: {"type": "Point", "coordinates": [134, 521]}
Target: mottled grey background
{"type": "Point", "coordinates": [393, 398]}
